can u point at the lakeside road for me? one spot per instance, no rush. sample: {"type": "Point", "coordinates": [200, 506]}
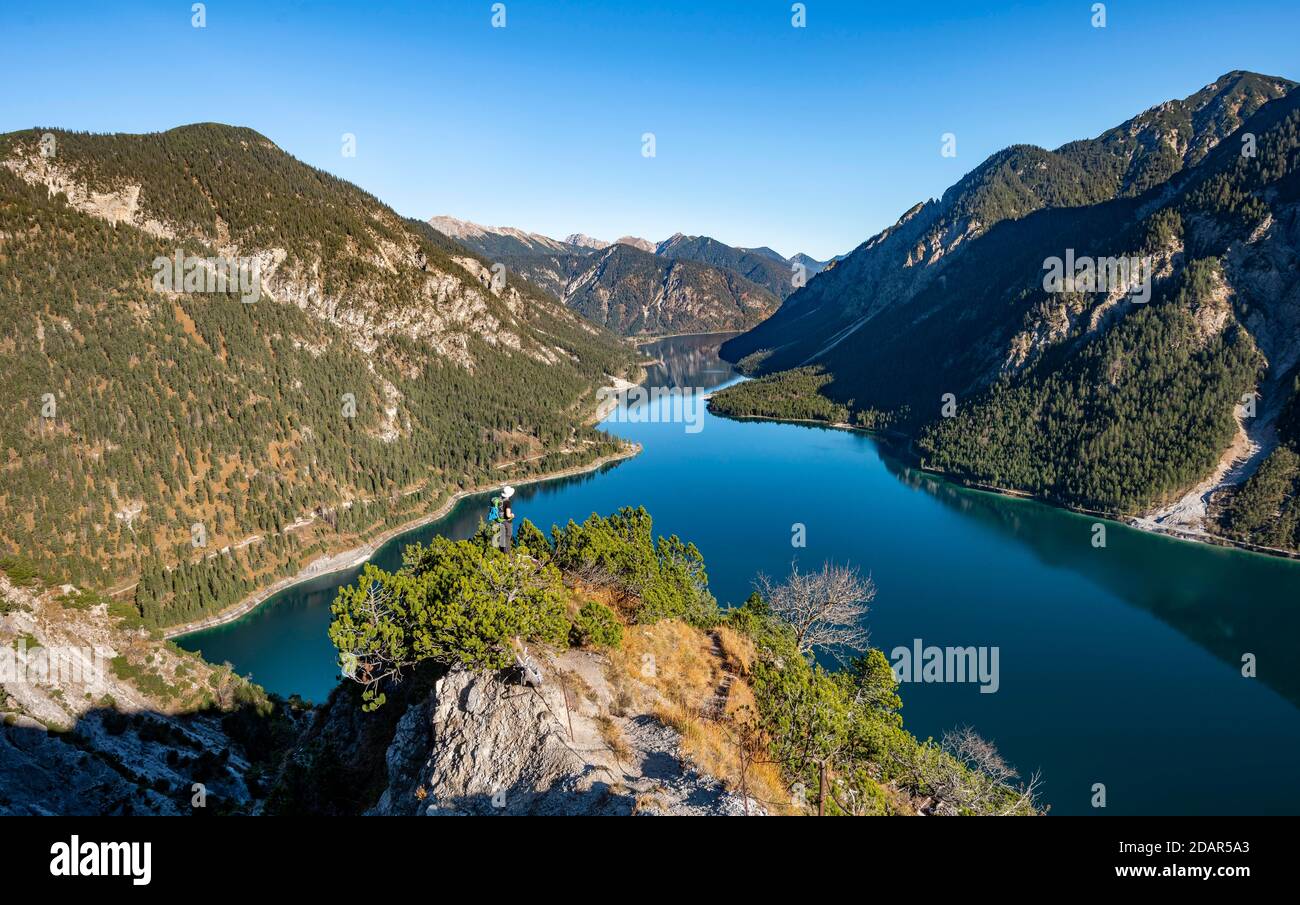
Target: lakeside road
{"type": "Point", "coordinates": [350, 559]}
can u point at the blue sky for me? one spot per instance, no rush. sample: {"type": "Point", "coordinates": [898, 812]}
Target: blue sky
{"type": "Point", "coordinates": [804, 139]}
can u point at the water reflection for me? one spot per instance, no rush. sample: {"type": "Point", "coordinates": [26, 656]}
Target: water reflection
{"type": "Point", "coordinates": [688, 361]}
{"type": "Point", "coordinates": [1228, 601]}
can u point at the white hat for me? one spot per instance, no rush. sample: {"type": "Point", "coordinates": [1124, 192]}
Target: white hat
{"type": "Point", "coordinates": [507, 491]}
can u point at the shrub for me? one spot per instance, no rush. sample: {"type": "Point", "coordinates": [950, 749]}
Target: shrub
{"type": "Point", "coordinates": [664, 580]}
{"type": "Point", "coordinates": [21, 571]}
{"type": "Point", "coordinates": [595, 626]}
{"type": "Point", "coordinates": [530, 538]}
{"type": "Point", "coordinates": [453, 602]}
{"type": "Point", "coordinates": [80, 600]}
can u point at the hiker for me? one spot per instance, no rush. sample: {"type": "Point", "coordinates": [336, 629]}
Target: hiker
{"type": "Point", "coordinates": [500, 516]}
{"type": "Point", "coordinates": [507, 517]}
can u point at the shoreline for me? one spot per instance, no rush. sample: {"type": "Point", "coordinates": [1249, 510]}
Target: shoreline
{"type": "Point", "coordinates": [642, 340]}
{"type": "Point", "coordinates": [344, 560]}
{"type": "Point", "coordinates": [1136, 522]}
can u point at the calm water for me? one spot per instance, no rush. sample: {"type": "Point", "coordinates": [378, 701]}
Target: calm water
{"type": "Point", "coordinates": [1118, 665]}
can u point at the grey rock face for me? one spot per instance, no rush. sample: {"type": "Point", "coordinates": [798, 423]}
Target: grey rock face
{"type": "Point", "coordinates": [481, 745]}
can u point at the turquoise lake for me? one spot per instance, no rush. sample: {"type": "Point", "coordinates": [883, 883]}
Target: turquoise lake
{"type": "Point", "coordinates": [1119, 665]}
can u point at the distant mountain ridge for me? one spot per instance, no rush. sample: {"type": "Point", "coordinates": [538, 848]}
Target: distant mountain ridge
{"type": "Point", "coordinates": [503, 241]}
{"type": "Point", "coordinates": [634, 292]}
{"type": "Point", "coordinates": [767, 270]}
{"type": "Point", "coordinates": [582, 240]}
{"type": "Point", "coordinates": [685, 284]}
{"type": "Point", "coordinates": [814, 266]}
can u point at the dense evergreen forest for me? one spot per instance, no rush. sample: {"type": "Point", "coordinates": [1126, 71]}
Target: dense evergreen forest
{"type": "Point", "coordinates": [797, 395]}
{"type": "Point", "coordinates": [1139, 414]}
{"type": "Point", "coordinates": [789, 394]}
{"type": "Point", "coordinates": [204, 444]}
{"type": "Point", "coordinates": [1135, 417]}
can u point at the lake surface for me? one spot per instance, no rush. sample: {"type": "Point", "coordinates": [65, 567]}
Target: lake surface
{"type": "Point", "coordinates": [1118, 665]}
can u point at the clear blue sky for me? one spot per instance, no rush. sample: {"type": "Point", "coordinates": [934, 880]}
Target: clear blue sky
{"type": "Point", "coordinates": [803, 139]}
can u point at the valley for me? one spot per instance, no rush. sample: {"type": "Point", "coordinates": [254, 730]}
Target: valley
{"type": "Point", "coordinates": [259, 428]}
{"type": "Point", "coordinates": [1112, 661]}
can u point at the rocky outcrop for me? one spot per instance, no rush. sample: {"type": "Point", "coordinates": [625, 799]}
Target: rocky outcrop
{"type": "Point", "coordinates": [99, 719]}
{"type": "Point", "coordinates": [1259, 275]}
{"type": "Point", "coordinates": [484, 744]}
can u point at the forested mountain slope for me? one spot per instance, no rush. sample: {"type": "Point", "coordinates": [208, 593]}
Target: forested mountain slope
{"type": "Point", "coordinates": [631, 291]}
{"type": "Point", "coordinates": [768, 270]}
{"type": "Point", "coordinates": [1092, 398]}
{"type": "Point", "coordinates": [378, 371]}
{"type": "Point", "coordinates": [902, 261]}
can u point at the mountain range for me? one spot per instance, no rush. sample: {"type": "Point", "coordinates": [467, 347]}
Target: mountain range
{"type": "Point", "coordinates": [684, 284]}
{"type": "Point", "coordinates": [1108, 397]}
{"type": "Point", "coordinates": [188, 444]}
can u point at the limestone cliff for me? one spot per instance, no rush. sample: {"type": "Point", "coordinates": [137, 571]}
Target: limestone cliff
{"type": "Point", "coordinates": [99, 718]}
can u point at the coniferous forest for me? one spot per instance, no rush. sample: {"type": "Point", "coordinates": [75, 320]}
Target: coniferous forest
{"type": "Point", "coordinates": [203, 445]}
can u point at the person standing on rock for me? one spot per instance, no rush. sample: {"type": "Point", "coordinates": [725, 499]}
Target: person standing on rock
{"type": "Point", "coordinates": [502, 518]}
{"type": "Point", "coordinates": [506, 536]}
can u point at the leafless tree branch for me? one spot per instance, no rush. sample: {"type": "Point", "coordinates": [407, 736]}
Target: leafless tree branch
{"type": "Point", "coordinates": [827, 609]}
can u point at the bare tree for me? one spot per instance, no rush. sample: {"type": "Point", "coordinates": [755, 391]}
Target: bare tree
{"type": "Point", "coordinates": [996, 790]}
{"type": "Point", "coordinates": [826, 609]}
{"type": "Point", "coordinates": [965, 773]}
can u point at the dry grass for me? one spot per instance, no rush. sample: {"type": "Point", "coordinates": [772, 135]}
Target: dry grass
{"type": "Point", "coordinates": [577, 686]}
{"type": "Point", "coordinates": [898, 802]}
{"type": "Point", "coordinates": [582, 591]}
{"type": "Point", "coordinates": [623, 690]}
{"type": "Point", "coordinates": [648, 801]}
{"type": "Point", "coordinates": [687, 669]}
{"type": "Point", "coordinates": [613, 738]}
{"type": "Point", "coordinates": [674, 659]}
{"type": "Point", "coordinates": [715, 745]}
{"type": "Point", "coordinates": [738, 651]}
